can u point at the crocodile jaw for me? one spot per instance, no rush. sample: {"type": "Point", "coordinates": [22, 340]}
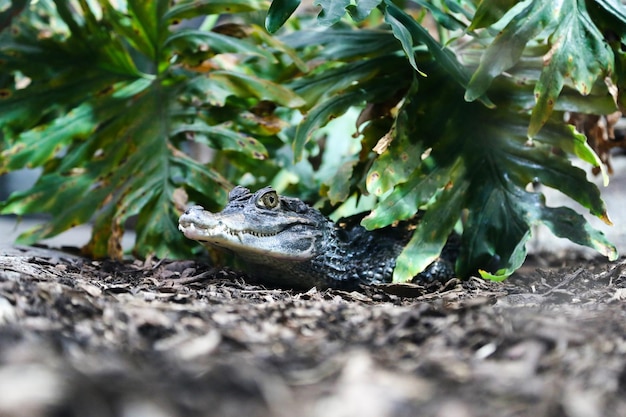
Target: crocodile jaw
{"type": "Point", "coordinates": [281, 237]}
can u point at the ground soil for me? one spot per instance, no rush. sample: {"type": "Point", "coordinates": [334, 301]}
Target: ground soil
{"type": "Point", "coordinates": [159, 338]}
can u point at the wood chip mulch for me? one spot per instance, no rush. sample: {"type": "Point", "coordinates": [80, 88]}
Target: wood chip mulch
{"type": "Point", "coordinates": [164, 338]}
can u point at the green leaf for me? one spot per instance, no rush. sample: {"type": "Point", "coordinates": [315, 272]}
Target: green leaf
{"type": "Point", "coordinates": [496, 230]}
{"type": "Point", "coordinates": [145, 19]}
{"type": "Point", "coordinates": [108, 48]}
{"type": "Point", "coordinates": [408, 197]}
{"type": "Point", "coordinates": [205, 89]}
{"type": "Point", "coordinates": [278, 13]}
{"type": "Point", "coordinates": [204, 180]}
{"type": "Point", "coordinates": [39, 199]}
{"type": "Point", "coordinates": [270, 42]}
{"type": "Point", "coordinates": [565, 137]}
{"type": "Point", "coordinates": [345, 44]}
{"type": "Point", "coordinates": [319, 87]}
{"type": "Point", "coordinates": [194, 40]}
{"type": "Point", "coordinates": [556, 172]}
{"type": "Point", "coordinates": [459, 8]}
{"type": "Point", "coordinates": [565, 222]}
{"type": "Point", "coordinates": [443, 18]}
{"type": "Point", "coordinates": [39, 145]}
{"type": "Point", "coordinates": [15, 7]}
{"type": "Point", "coordinates": [578, 52]}
{"type": "Point", "coordinates": [387, 172]}
{"type": "Point", "coordinates": [507, 48]}
{"type": "Point", "coordinates": [404, 28]}
{"type": "Point", "coordinates": [332, 11]}
{"type": "Point", "coordinates": [222, 137]}
{"type": "Point", "coordinates": [337, 105]}
{"type": "Point", "coordinates": [248, 85]}
{"type": "Point", "coordinates": [433, 229]}
{"type": "Point", "coordinates": [515, 262]}
{"type": "Point", "coordinates": [489, 12]}
{"type": "Point", "coordinates": [132, 30]}
{"type": "Point", "coordinates": [338, 187]}
{"type": "Point", "coordinates": [321, 114]}
{"type": "Point", "coordinates": [188, 9]}
{"type": "Point", "coordinates": [407, 30]}
{"type": "Point", "coordinates": [362, 9]}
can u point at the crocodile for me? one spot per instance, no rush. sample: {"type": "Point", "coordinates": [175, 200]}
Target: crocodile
{"type": "Point", "coordinates": [285, 242]}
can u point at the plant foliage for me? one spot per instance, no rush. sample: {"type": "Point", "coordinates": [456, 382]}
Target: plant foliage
{"type": "Point", "coordinates": [466, 160]}
{"type": "Point", "coordinates": [113, 95]}
{"type": "Point", "coordinates": [458, 116]}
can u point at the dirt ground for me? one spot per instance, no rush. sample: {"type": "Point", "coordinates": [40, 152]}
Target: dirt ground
{"type": "Point", "coordinates": [160, 338]}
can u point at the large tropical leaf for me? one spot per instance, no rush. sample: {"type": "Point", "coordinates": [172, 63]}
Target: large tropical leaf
{"type": "Point", "coordinates": [279, 12]}
{"type": "Point", "coordinates": [577, 53]}
{"type": "Point", "coordinates": [481, 165]}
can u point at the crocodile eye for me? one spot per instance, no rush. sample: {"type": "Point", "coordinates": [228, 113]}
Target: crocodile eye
{"type": "Point", "coordinates": [268, 200]}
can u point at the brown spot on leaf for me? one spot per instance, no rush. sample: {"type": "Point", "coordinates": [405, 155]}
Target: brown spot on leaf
{"type": "Point", "coordinates": [584, 89]}
{"type": "Point", "coordinates": [264, 108]}
{"type": "Point", "coordinates": [44, 34]}
{"type": "Point", "coordinates": [383, 143]}
{"type": "Point", "coordinates": [106, 90]}
{"type": "Point", "coordinates": [241, 143]}
{"type": "Point", "coordinates": [258, 155]}
{"type": "Point", "coordinates": [5, 93]}
{"type": "Point", "coordinates": [76, 171]}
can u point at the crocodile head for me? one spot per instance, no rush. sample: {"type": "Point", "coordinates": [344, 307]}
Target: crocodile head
{"type": "Point", "coordinates": [260, 227]}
